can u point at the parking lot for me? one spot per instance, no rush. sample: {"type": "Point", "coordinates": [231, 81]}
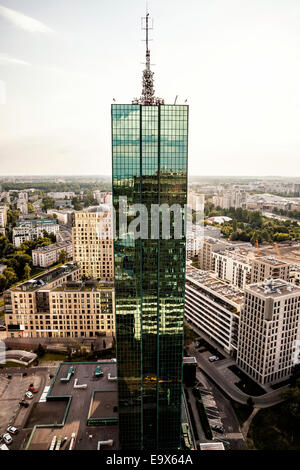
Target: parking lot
{"type": "Point", "coordinates": [14, 383]}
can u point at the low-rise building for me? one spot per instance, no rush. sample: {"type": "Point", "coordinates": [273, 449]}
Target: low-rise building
{"type": "Point", "coordinates": [213, 307]}
{"type": "Point", "coordinates": [46, 256]}
{"type": "Point", "coordinates": [31, 229]}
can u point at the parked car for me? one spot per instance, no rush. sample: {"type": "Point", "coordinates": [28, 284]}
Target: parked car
{"type": "Point", "coordinates": [7, 438]}
{"type": "Point", "coordinates": [29, 395]}
{"type": "Point", "coordinates": [213, 358]}
{"type": "Point", "coordinates": [3, 447]}
{"type": "Point", "coordinates": [24, 403]}
{"type": "Point", "coordinates": [33, 390]}
{"type": "Point", "coordinates": [196, 392]}
{"type": "Point", "coordinates": [12, 430]}
{"type": "Point", "coordinates": [218, 429]}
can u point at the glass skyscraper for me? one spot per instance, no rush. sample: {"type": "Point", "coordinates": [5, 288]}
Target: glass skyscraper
{"type": "Point", "coordinates": [149, 150]}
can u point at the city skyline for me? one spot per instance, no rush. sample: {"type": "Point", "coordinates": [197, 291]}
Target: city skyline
{"type": "Point", "coordinates": [235, 65]}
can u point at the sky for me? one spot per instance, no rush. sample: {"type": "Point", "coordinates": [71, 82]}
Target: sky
{"type": "Point", "coordinates": [237, 62]}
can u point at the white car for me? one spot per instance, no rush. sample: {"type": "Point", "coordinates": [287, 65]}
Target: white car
{"type": "Point", "coordinates": [3, 447]}
{"type": "Point", "coordinates": [12, 430]}
{"type": "Point", "coordinates": [29, 395]}
{"type": "Point", "coordinates": [7, 438]}
{"type": "Point", "coordinates": [213, 358]}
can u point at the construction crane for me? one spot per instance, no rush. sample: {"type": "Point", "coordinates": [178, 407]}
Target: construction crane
{"type": "Point", "coordinates": [277, 250]}
{"type": "Point", "coordinates": [257, 248]}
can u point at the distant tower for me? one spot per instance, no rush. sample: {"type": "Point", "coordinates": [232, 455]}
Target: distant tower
{"type": "Point", "coordinates": [149, 152]}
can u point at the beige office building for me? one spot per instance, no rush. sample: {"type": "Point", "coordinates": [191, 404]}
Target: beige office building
{"type": "Point", "coordinates": [93, 242]}
{"type": "Point", "coordinates": [206, 261]}
{"type": "Point", "coordinates": [269, 331]}
{"type": "Point", "coordinates": [59, 304]}
{"type": "Point", "coordinates": [265, 267]}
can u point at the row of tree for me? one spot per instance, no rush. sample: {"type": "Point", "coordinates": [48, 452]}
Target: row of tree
{"type": "Point", "coordinates": [249, 226]}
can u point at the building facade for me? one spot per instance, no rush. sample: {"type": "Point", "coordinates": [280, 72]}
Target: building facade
{"type": "Point", "coordinates": [59, 304]}
{"type": "Point", "coordinates": [149, 149]}
{"type": "Point", "coordinates": [29, 230]}
{"type": "Point", "coordinates": [265, 267]}
{"type": "Point", "coordinates": [269, 331]}
{"type": "Point", "coordinates": [213, 307]}
{"type": "Point", "coordinates": [46, 256]}
{"type": "Point", "coordinates": [93, 242]}
{"type": "Point", "coordinates": [233, 266]}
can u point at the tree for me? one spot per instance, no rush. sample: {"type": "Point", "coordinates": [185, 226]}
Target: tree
{"type": "Point", "coordinates": [63, 256]}
{"type": "Point", "coordinates": [3, 282]}
{"type": "Point", "coordinates": [40, 351]}
{"type": "Point", "coordinates": [27, 271]}
{"type": "Point", "coordinates": [10, 275]}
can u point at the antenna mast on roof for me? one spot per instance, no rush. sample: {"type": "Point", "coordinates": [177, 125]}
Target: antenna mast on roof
{"type": "Point", "coordinates": [148, 91]}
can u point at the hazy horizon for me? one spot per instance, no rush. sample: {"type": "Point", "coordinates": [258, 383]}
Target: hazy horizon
{"type": "Point", "coordinates": [62, 63]}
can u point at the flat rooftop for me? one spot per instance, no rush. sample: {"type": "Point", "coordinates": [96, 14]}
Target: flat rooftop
{"type": "Point", "coordinates": [53, 246]}
{"type": "Point", "coordinates": [205, 279]}
{"type": "Point", "coordinates": [90, 414]}
{"type": "Point", "coordinates": [274, 288]}
{"type": "Point", "coordinates": [84, 286]}
{"type": "Point", "coordinates": [272, 261]}
{"type": "Point", "coordinates": [45, 278]}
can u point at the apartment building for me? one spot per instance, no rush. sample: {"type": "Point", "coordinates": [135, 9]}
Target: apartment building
{"type": "Point", "coordinates": [93, 242]}
{"type": "Point", "coordinates": [214, 307]}
{"type": "Point", "coordinates": [31, 229]}
{"type": "Point", "coordinates": [59, 304]}
{"type": "Point", "coordinates": [265, 267]}
{"type": "Point", "coordinates": [269, 331]}
{"type": "Point", "coordinates": [233, 266]}
{"type": "Point", "coordinates": [209, 246]}
{"type": "Point", "coordinates": [3, 216]}
{"type": "Point", "coordinates": [46, 256]}
{"type": "Point", "coordinates": [64, 217]}
{"type": "Point", "coordinates": [62, 195]}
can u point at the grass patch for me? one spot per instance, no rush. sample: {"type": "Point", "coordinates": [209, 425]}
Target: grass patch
{"type": "Point", "coordinates": [53, 356]}
{"type": "Point", "coordinates": [11, 365]}
{"type": "Point", "coordinates": [271, 430]}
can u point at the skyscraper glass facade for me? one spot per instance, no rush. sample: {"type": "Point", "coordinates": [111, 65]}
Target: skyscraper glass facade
{"type": "Point", "coordinates": [149, 148]}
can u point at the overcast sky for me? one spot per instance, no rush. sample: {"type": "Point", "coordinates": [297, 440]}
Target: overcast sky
{"type": "Point", "coordinates": [236, 61]}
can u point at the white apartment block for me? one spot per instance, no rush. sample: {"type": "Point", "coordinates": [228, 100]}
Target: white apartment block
{"type": "Point", "coordinates": [62, 195]}
{"type": "Point", "coordinates": [103, 197]}
{"type": "Point", "coordinates": [193, 245]}
{"type": "Point", "coordinates": [64, 217]}
{"type": "Point", "coordinates": [30, 230]}
{"type": "Point", "coordinates": [269, 331]}
{"type": "Point", "coordinates": [22, 206]}
{"type": "Point", "coordinates": [214, 307]}
{"type": "Point", "coordinates": [3, 216]}
{"type": "Point", "coordinates": [268, 266]}
{"type": "Point", "coordinates": [93, 242]}
{"type": "Point", "coordinates": [46, 256]}
{"type": "Point", "coordinates": [233, 266]}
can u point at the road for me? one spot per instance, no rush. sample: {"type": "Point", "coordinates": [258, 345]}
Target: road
{"type": "Point", "coordinates": [263, 401]}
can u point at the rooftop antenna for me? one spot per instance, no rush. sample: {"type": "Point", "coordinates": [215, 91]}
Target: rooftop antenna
{"type": "Point", "coordinates": [147, 97]}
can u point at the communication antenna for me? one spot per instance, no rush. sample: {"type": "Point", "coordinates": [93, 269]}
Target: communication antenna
{"type": "Point", "coordinates": [147, 97]}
